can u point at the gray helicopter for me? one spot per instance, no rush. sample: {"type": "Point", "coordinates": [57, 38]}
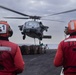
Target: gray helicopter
{"type": "Point", "coordinates": [33, 29]}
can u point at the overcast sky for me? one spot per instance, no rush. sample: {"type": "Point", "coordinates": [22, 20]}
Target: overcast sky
{"type": "Point", "coordinates": [40, 8]}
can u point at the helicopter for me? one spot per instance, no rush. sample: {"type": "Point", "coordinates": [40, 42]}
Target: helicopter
{"type": "Point", "coordinates": [33, 28]}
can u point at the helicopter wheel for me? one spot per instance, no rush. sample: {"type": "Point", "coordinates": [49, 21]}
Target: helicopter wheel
{"type": "Point", "coordinates": [40, 38]}
{"type": "Point", "coordinates": [22, 32]}
{"type": "Point", "coordinates": [24, 36]}
{"type": "Point", "coordinates": [46, 30]}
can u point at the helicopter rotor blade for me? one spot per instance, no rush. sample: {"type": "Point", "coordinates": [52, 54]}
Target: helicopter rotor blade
{"type": "Point", "coordinates": [36, 17]}
{"type": "Point", "coordinates": [13, 11]}
{"type": "Point", "coordinates": [53, 20]}
{"type": "Point", "coordinates": [68, 11]}
{"type": "Point", "coordinates": [16, 18]}
{"type": "Point", "coordinates": [29, 18]}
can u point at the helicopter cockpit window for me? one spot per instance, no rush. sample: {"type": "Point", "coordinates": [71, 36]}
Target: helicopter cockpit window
{"type": "Point", "coordinates": [32, 24]}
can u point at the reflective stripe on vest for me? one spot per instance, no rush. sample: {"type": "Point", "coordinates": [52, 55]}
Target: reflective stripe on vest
{"type": "Point", "coordinates": [3, 48]}
{"type": "Point", "coordinates": [70, 39]}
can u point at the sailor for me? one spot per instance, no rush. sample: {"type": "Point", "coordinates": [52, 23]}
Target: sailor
{"type": "Point", "coordinates": [11, 61]}
{"type": "Point", "coordinates": [66, 52]}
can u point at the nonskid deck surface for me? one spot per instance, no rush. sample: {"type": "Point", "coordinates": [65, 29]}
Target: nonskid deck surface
{"type": "Point", "coordinates": [40, 64]}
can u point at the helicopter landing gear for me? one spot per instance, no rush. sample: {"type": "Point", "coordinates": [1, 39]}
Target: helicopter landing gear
{"type": "Point", "coordinates": [22, 33]}
{"type": "Point", "coordinates": [40, 38]}
{"type": "Point", "coordinates": [24, 36]}
{"type": "Point", "coordinates": [46, 30]}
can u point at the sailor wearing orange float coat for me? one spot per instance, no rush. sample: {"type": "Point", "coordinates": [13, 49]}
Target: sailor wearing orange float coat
{"type": "Point", "coordinates": [11, 61]}
{"type": "Point", "coordinates": [66, 52]}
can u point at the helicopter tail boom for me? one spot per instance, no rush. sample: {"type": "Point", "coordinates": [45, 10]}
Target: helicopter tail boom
{"type": "Point", "coordinates": [47, 37]}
